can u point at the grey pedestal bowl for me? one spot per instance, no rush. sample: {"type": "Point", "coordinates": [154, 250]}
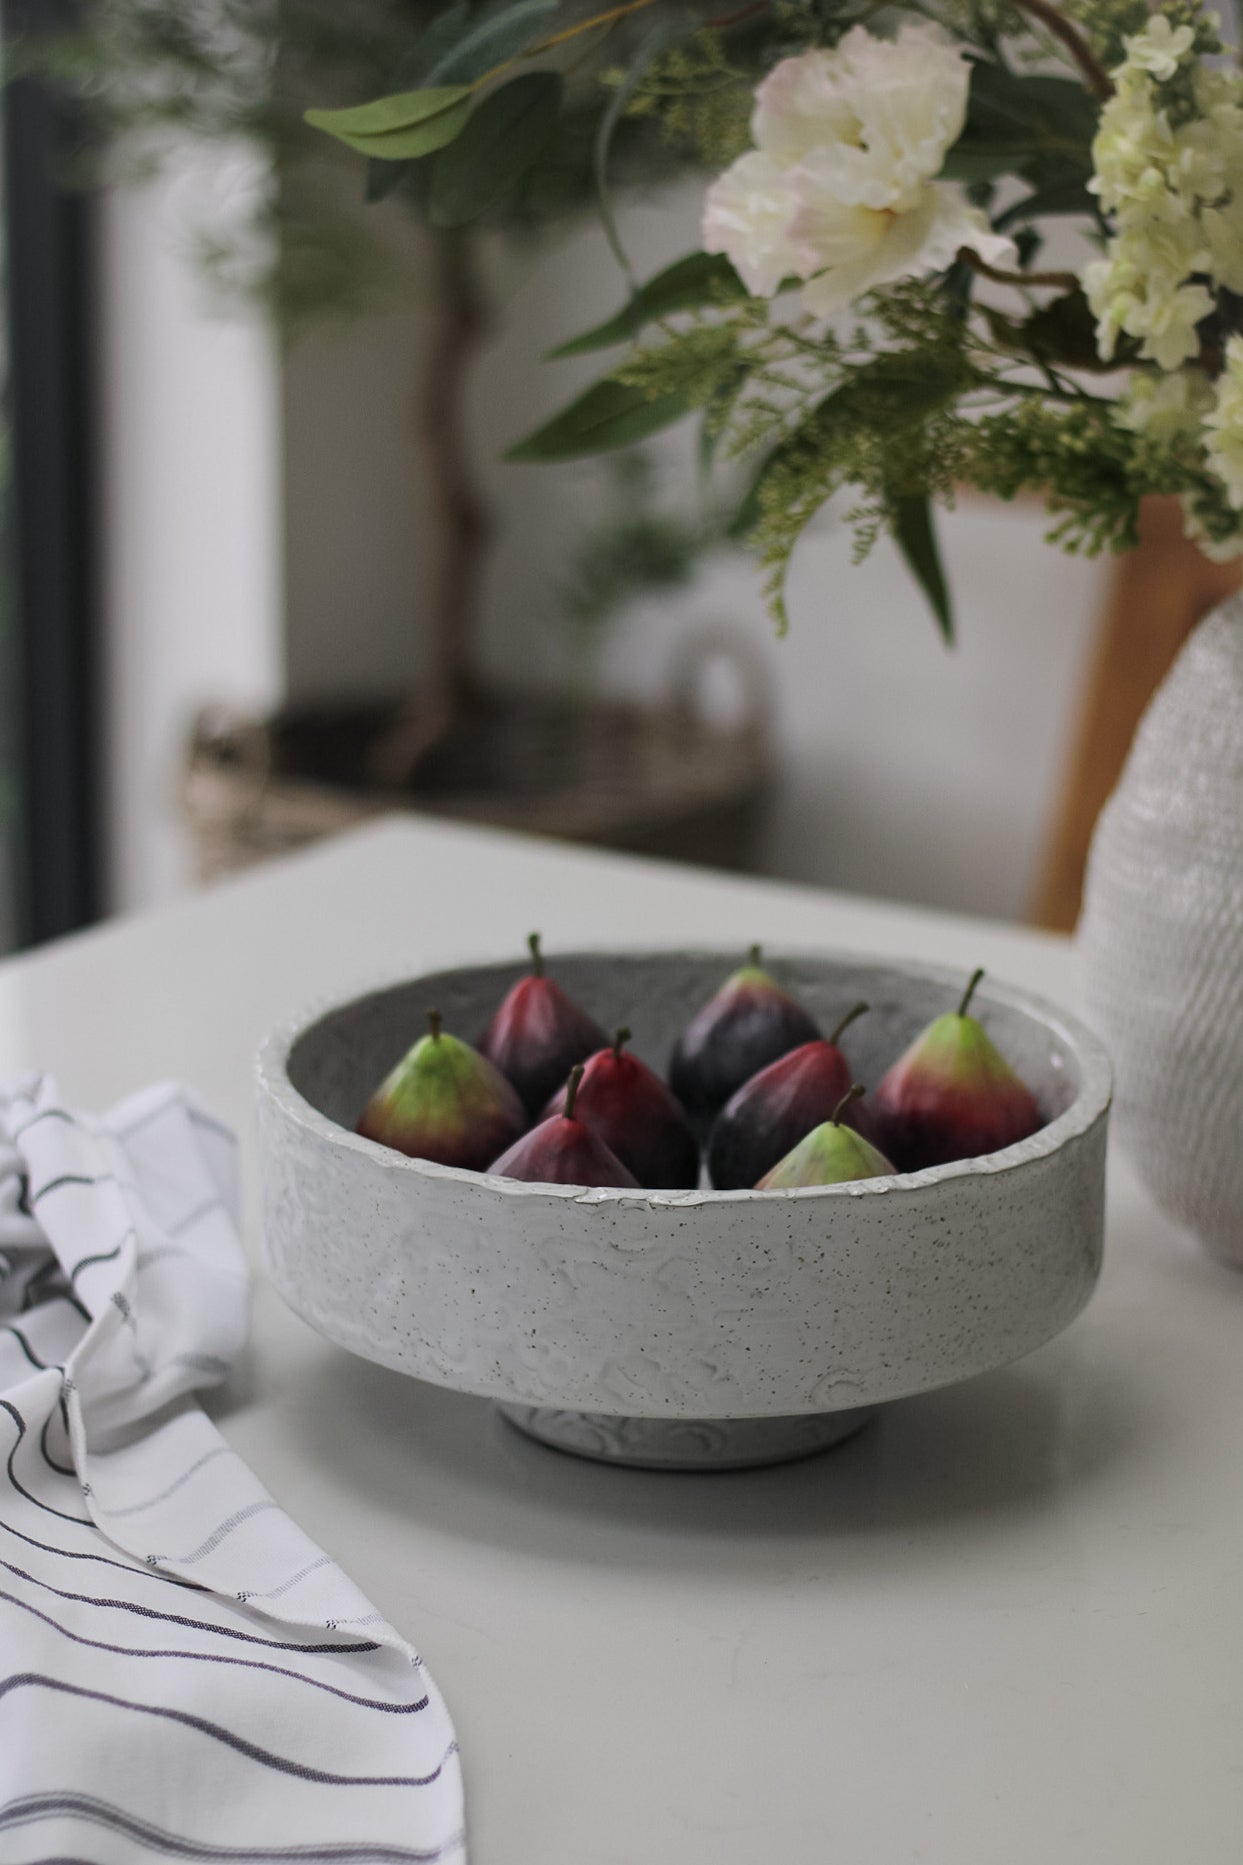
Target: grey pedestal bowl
{"type": "Point", "coordinates": [680, 1330]}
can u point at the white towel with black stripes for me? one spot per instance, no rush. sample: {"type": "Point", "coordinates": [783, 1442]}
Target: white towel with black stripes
{"type": "Point", "coordinates": [183, 1674]}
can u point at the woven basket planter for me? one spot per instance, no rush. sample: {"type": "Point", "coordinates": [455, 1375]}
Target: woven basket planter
{"type": "Point", "coordinates": [658, 780]}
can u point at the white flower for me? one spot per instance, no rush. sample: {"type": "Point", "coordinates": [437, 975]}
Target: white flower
{"type": "Point", "coordinates": [845, 251]}
{"type": "Point", "coordinates": [879, 113]}
{"type": "Point", "coordinates": [1224, 422]}
{"type": "Point", "coordinates": [1159, 48]}
{"type": "Point", "coordinates": [748, 214]}
{"type": "Point", "coordinates": [840, 188]}
{"type": "Point", "coordinates": [1176, 193]}
{"type": "Point", "coordinates": [1166, 408]}
{"type": "Point", "coordinates": [1132, 293]}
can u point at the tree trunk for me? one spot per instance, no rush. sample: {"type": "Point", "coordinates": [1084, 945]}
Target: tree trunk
{"type": "Point", "coordinates": [460, 525]}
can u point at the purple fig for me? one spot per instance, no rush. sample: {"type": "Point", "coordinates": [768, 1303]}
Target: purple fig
{"type": "Point", "coordinates": [562, 1151]}
{"type": "Point", "coordinates": [632, 1111]}
{"type": "Point", "coordinates": [747, 1024]}
{"type": "Point", "coordinates": [774, 1110]}
{"type": "Point", "coordinates": [538, 1034]}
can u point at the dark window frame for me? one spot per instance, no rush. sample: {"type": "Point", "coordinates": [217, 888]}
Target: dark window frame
{"type": "Point", "coordinates": [51, 544]}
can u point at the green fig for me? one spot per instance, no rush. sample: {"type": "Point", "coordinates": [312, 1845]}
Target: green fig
{"type": "Point", "coordinates": [831, 1154]}
{"type": "Point", "coordinates": [445, 1102]}
{"type": "Point", "coordinates": [952, 1095]}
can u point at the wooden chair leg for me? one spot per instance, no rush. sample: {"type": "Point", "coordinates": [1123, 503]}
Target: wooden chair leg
{"type": "Point", "coordinates": [1156, 595]}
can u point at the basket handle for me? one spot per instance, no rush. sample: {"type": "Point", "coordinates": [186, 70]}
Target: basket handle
{"type": "Point", "coordinates": [221, 737]}
{"type": "Point", "coordinates": [714, 643]}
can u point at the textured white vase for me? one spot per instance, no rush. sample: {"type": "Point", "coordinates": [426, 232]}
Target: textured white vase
{"type": "Point", "coordinates": [1161, 938]}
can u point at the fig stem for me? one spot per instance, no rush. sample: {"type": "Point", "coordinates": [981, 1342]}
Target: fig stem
{"type": "Point", "coordinates": [852, 1094]}
{"type": "Point", "coordinates": [622, 1036]}
{"type": "Point", "coordinates": [755, 954]}
{"type": "Point", "coordinates": [571, 1089]}
{"type": "Point", "coordinates": [435, 1020]}
{"type": "Point", "coordinates": [537, 957]}
{"type": "Point", "coordinates": [846, 1022]}
{"type": "Point", "coordinates": [969, 993]}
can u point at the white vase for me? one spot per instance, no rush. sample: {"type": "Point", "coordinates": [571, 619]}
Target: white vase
{"type": "Point", "coordinates": [1161, 938]}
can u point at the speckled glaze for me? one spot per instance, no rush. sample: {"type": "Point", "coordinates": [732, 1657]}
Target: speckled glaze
{"type": "Point", "coordinates": [698, 1306]}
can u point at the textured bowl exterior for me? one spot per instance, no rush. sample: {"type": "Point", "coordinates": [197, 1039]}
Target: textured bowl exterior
{"type": "Point", "coordinates": [1161, 938]}
{"type": "Point", "coordinates": [702, 1305]}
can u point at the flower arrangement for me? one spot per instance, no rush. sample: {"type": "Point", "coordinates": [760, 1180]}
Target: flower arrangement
{"type": "Point", "coordinates": [870, 308]}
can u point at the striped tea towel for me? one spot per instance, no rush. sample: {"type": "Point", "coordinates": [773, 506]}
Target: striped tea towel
{"type": "Point", "coordinates": [183, 1675]}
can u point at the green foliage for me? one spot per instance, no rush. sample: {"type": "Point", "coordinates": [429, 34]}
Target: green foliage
{"type": "Point", "coordinates": [891, 429]}
{"type": "Point", "coordinates": [505, 136]}
{"type": "Point", "coordinates": [610, 414]}
{"type": "Point", "coordinates": [154, 73]}
{"type": "Point", "coordinates": [468, 45]}
{"type": "Point", "coordinates": [512, 112]}
{"type": "Point", "coordinates": [401, 128]}
{"type": "Point", "coordinates": [686, 285]}
{"type": "Point", "coordinates": [701, 97]}
{"type": "Point", "coordinates": [915, 535]}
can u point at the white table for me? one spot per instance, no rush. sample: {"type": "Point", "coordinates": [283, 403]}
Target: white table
{"type": "Point", "coordinates": [1002, 1627]}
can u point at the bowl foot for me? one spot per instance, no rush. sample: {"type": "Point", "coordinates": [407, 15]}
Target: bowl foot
{"type": "Point", "coordinates": [686, 1443]}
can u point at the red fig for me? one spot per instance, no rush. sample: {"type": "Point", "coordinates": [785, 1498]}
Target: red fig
{"type": "Point", "coordinates": [444, 1101]}
{"type": "Point", "coordinates": [952, 1095]}
{"type": "Point", "coordinates": [745, 1026]}
{"type": "Point", "coordinates": [562, 1151]}
{"type": "Point", "coordinates": [632, 1111]}
{"type": "Point", "coordinates": [831, 1154]}
{"type": "Point", "coordinates": [538, 1034]}
{"type": "Point", "coordinates": [774, 1110]}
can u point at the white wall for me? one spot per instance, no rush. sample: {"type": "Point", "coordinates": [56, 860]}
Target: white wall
{"type": "Point", "coordinates": [191, 503]}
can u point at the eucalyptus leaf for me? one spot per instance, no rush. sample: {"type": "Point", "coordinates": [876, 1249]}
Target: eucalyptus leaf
{"type": "Point", "coordinates": [698, 279]}
{"type": "Point", "coordinates": [658, 39]}
{"type": "Point", "coordinates": [1022, 116]}
{"type": "Point", "coordinates": [609, 414]}
{"type": "Point", "coordinates": [435, 42]}
{"type": "Point", "coordinates": [411, 123]}
{"type": "Point", "coordinates": [917, 540]}
{"type": "Point", "coordinates": [506, 133]}
{"type": "Point", "coordinates": [1067, 196]}
{"type": "Point", "coordinates": [973, 162]}
{"type": "Point", "coordinates": [492, 38]}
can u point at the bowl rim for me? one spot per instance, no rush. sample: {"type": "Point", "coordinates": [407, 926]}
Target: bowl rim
{"type": "Point", "coordinates": [1090, 1104]}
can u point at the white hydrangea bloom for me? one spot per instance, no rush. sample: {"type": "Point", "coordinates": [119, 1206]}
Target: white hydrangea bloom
{"type": "Point", "coordinates": [1224, 425]}
{"type": "Point", "coordinates": [1166, 408]}
{"type": "Point", "coordinates": [1143, 290]}
{"type": "Point", "coordinates": [1159, 48]}
{"type": "Point", "coordinates": [1176, 193]}
{"type": "Point", "coordinates": [840, 190]}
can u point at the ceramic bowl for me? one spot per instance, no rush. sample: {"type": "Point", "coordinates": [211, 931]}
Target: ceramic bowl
{"type": "Point", "coordinates": [682, 1329]}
